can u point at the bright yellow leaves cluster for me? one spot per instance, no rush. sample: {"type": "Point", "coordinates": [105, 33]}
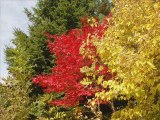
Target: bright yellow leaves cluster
{"type": "Point", "coordinates": [131, 48]}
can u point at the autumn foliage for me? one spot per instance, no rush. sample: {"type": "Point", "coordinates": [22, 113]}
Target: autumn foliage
{"type": "Point", "coordinates": [66, 76]}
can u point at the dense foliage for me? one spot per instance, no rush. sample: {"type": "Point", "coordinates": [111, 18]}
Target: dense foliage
{"type": "Point", "coordinates": [14, 97]}
{"type": "Point", "coordinates": [130, 49]}
{"type": "Point", "coordinates": [66, 76]}
{"type": "Point", "coordinates": [103, 70]}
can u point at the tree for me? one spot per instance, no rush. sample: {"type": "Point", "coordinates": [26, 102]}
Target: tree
{"type": "Point", "coordinates": [131, 49]}
{"type": "Point", "coordinates": [66, 77]}
{"type": "Point", "coordinates": [14, 94]}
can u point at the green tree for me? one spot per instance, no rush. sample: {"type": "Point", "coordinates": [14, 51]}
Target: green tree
{"type": "Point", "coordinates": [14, 98]}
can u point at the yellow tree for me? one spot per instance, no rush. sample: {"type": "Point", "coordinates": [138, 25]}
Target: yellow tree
{"type": "Point", "coordinates": [131, 49]}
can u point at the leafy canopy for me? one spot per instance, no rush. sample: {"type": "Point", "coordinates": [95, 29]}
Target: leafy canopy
{"type": "Point", "coordinates": [131, 49]}
{"type": "Point", "coordinates": [66, 76]}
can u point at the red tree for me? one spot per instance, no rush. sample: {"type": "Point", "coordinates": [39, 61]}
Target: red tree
{"type": "Point", "coordinates": [66, 76]}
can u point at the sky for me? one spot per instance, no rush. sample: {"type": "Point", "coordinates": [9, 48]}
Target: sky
{"type": "Point", "coordinates": [11, 16]}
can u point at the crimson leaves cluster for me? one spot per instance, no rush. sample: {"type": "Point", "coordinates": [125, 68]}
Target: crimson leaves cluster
{"type": "Point", "coordinates": [66, 76]}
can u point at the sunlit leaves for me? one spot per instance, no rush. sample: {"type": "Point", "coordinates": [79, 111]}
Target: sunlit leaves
{"type": "Point", "coordinates": [131, 49]}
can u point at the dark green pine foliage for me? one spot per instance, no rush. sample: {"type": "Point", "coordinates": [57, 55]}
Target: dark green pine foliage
{"type": "Point", "coordinates": [30, 55]}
